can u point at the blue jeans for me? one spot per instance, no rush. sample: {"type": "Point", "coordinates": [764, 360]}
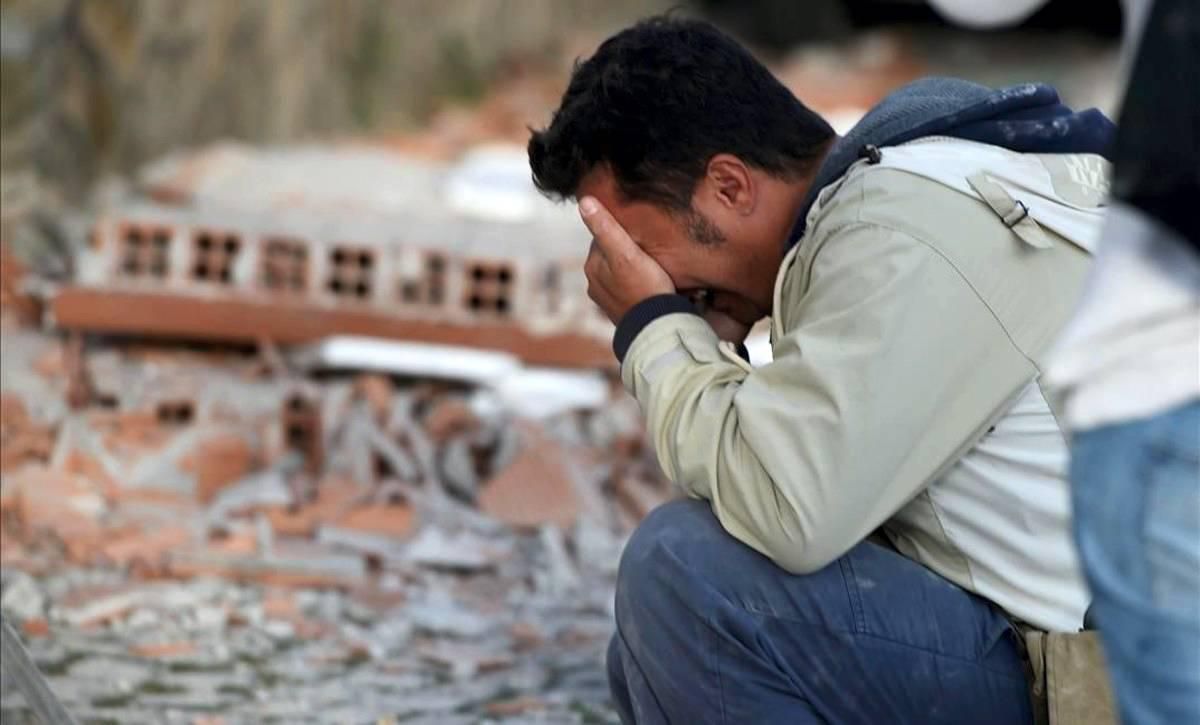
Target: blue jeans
{"type": "Point", "coordinates": [1136, 490]}
{"type": "Point", "coordinates": [710, 631]}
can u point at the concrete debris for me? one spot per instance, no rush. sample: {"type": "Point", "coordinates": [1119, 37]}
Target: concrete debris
{"type": "Point", "coordinates": [209, 536]}
{"type": "Point", "coordinates": [434, 548]}
{"type": "Point", "coordinates": [440, 613]}
{"type": "Point", "coordinates": [21, 597]}
{"type": "Point", "coordinates": [260, 490]}
{"type": "Point", "coordinates": [441, 362]}
{"type": "Point", "coordinates": [560, 572]}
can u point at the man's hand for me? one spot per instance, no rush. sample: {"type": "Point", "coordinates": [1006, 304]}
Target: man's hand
{"type": "Point", "coordinates": [619, 273]}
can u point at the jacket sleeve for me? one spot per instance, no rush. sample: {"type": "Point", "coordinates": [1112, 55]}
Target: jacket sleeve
{"type": "Point", "coordinates": [891, 368]}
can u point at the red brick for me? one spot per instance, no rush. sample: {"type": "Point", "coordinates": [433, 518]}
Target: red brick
{"type": "Point", "coordinates": [149, 548]}
{"type": "Point", "coordinates": [394, 520]}
{"type": "Point", "coordinates": [448, 417]}
{"type": "Point", "coordinates": [50, 364]}
{"type": "Point", "coordinates": [515, 706]}
{"type": "Point", "coordinates": [280, 605]}
{"type": "Point", "coordinates": [57, 501]}
{"type": "Point", "coordinates": [535, 489]}
{"type": "Point", "coordinates": [334, 496]}
{"type": "Point", "coordinates": [89, 467]}
{"type": "Point", "coordinates": [242, 542]}
{"type": "Point", "coordinates": [218, 461]}
{"type": "Point", "coordinates": [163, 649]}
{"type": "Point", "coordinates": [22, 440]}
{"type": "Point", "coordinates": [36, 627]}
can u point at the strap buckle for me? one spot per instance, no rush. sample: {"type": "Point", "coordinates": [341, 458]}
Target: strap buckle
{"type": "Point", "coordinates": [1017, 215]}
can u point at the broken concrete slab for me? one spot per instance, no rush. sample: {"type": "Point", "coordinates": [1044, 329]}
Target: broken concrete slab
{"type": "Point", "coordinates": [261, 490]}
{"type": "Point", "coordinates": [464, 551]}
{"type": "Point", "coordinates": [540, 393]}
{"type": "Point", "coordinates": [296, 568]}
{"type": "Point", "coordinates": [439, 613]}
{"type": "Point", "coordinates": [406, 358]}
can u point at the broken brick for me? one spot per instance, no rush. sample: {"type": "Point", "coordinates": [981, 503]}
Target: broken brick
{"type": "Point", "coordinates": [241, 542]}
{"type": "Point", "coordinates": [327, 573]}
{"type": "Point", "coordinates": [15, 302]}
{"type": "Point", "coordinates": [449, 417]}
{"type": "Point", "coordinates": [393, 520]}
{"type": "Point", "coordinates": [93, 606]}
{"type": "Point", "coordinates": [12, 413]}
{"type": "Point", "coordinates": [50, 364]}
{"type": "Point", "coordinates": [63, 503]}
{"type": "Point", "coordinates": [131, 431]}
{"type": "Point", "coordinates": [147, 548]}
{"type": "Point", "coordinates": [334, 496]}
{"type": "Point", "coordinates": [90, 468]}
{"type": "Point", "coordinates": [280, 605]}
{"type": "Point", "coordinates": [22, 440]}
{"type": "Point", "coordinates": [534, 489]}
{"type": "Point", "coordinates": [163, 649]}
{"type": "Point", "coordinates": [515, 706]}
{"type": "Point", "coordinates": [218, 461]}
{"type": "Point", "coordinates": [35, 627]}
{"type": "Point", "coordinates": [28, 446]}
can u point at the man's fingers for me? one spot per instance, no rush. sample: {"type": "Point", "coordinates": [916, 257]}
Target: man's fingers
{"type": "Point", "coordinates": [609, 237]}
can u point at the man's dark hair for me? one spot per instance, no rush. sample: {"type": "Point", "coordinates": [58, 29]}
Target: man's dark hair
{"type": "Point", "coordinates": [657, 101]}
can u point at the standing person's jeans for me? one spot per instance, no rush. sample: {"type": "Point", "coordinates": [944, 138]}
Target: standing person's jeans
{"type": "Point", "coordinates": [710, 631]}
{"type": "Point", "coordinates": [1137, 522]}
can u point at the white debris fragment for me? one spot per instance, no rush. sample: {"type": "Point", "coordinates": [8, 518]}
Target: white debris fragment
{"type": "Point", "coordinates": [439, 613]}
{"type": "Point", "coordinates": [543, 392]}
{"type": "Point", "coordinates": [435, 548]}
{"type": "Point", "coordinates": [414, 359]}
{"type": "Point", "coordinates": [22, 598]}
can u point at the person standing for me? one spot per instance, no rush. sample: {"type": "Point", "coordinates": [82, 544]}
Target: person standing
{"type": "Point", "coordinates": [1128, 367]}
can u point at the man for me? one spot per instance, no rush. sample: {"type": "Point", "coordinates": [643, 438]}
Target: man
{"type": "Point", "coordinates": [873, 509]}
{"type": "Point", "coordinates": [1129, 365]}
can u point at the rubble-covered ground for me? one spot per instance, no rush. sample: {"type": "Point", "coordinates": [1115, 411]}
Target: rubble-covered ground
{"type": "Point", "coordinates": [202, 536]}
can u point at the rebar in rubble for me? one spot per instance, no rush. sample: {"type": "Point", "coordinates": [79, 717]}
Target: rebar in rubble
{"type": "Point", "coordinates": [29, 680]}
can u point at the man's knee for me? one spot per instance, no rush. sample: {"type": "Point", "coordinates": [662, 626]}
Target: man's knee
{"type": "Point", "coordinates": [667, 547]}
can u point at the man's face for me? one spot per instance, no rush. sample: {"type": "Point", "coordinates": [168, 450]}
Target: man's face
{"type": "Point", "coordinates": [718, 251]}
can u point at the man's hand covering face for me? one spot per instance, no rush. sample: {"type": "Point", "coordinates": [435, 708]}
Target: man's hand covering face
{"type": "Point", "coordinates": [619, 273]}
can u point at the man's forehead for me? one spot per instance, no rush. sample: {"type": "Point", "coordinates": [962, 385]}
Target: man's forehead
{"type": "Point", "coordinates": [643, 221]}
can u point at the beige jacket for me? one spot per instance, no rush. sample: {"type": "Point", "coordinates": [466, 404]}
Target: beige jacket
{"type": "Point", "coordinates": [908, 323]}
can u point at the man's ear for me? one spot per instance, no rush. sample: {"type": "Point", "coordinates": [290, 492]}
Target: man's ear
{"type": "Point", "coordinates": [732, 183]}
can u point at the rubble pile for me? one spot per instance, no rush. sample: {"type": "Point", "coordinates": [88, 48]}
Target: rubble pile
{"type": "Point", "coordinates": [203, 536]}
